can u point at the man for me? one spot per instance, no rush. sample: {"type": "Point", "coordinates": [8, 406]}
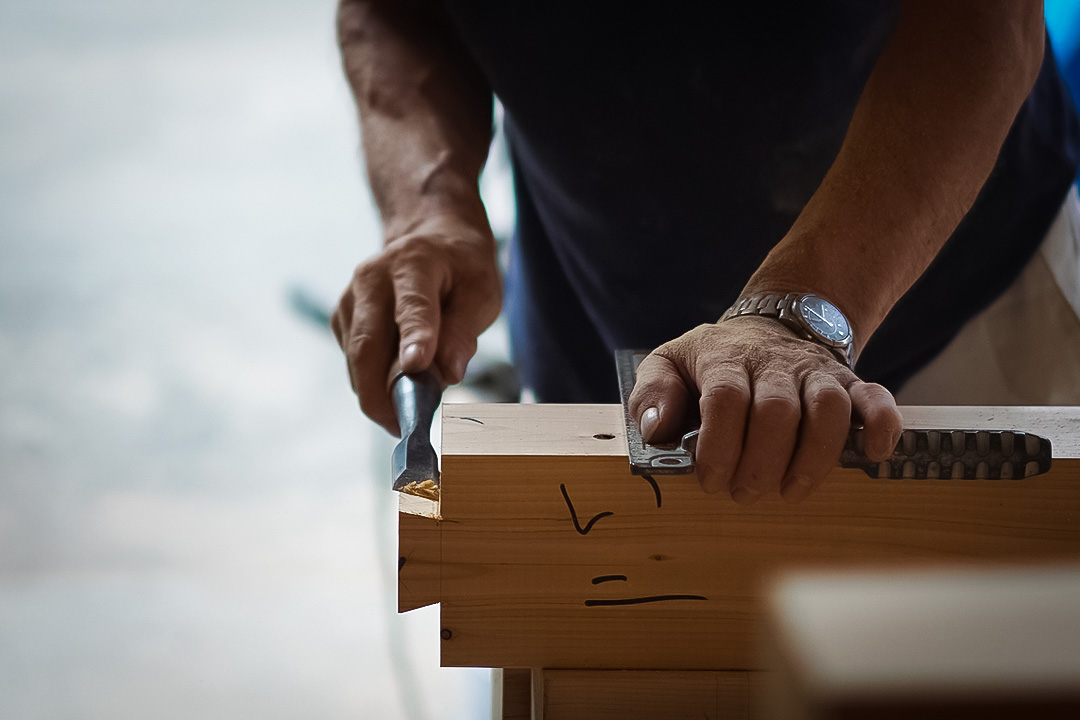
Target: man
{"type": "Point", "coordinates": [817, 160]}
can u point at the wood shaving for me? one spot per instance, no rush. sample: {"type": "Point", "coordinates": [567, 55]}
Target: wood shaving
{"type": "Point", "coordinates": [426, 489]}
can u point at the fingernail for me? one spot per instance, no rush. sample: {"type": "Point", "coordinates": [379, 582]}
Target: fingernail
{"type": "Point", "coordinates": [649, 420]}
{"type": "Point", "coordinates": [745, 495]}
{"type": "Point", "coordinates": [411, 357]}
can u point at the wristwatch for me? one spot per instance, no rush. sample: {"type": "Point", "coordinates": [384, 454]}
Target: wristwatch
{"type": "Point", "coordinates": [811, 317]}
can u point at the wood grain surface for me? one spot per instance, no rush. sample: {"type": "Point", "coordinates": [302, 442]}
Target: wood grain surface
{"type": "Point", "coordinates": [551, 554]}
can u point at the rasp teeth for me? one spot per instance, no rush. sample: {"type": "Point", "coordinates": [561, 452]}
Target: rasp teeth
{"type": "Point", "coordinates": [955, 454]}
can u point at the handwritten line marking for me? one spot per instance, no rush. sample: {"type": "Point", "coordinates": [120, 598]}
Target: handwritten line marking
{"type": "Point", "coordinates": [607, 578]}
{"type": "Point", "coordinates": [655, 489]}
{"type": "Point", "coordinates": [573, 513]}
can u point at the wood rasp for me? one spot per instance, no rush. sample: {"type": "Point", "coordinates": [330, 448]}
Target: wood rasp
{"type": "Point", "coordinates": [414, 464]}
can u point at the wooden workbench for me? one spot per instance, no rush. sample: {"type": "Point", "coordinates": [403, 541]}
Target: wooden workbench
{"type": "Point", "coordinates": [547, 553]}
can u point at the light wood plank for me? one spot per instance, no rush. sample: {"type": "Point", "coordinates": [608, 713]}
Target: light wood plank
{"type": "Point", "coordinates": [541, 430]}
{"type": "Point", "coordinates": [520, 586]}
{"type": "Point", "coordinates": [646, 694]}
{"type": "Point", "coordinates": [552, 429]}
{"type": "Point", "coordinates": [419, 553]}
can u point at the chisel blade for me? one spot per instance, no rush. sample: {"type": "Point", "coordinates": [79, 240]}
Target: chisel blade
{"type": "Point", "coordinates": [414, 464]}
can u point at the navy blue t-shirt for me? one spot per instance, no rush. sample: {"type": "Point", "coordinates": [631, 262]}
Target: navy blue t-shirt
{"type": "Point", "coordinates": [660, 152]}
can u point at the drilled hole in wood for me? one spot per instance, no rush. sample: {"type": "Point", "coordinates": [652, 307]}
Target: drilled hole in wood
{"type": "Point", "coordinates": [604, 436]}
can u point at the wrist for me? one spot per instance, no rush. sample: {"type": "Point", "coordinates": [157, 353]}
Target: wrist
{"type": "Point", "coordinates": [462, 218]}
{"type": "Point", "coordinates": [808, 265]}
{"type": "Point", "coordinates": [809, 316]}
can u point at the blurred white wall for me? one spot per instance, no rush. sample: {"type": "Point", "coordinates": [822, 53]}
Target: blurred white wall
{"type": "Point", "coordinates": [195, 520]}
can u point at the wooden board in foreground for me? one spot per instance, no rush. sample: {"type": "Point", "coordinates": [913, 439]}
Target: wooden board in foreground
{"type": "Point", "coordinates": [985, 642]}
{"type": "Point", "coordinates": [549, 553]}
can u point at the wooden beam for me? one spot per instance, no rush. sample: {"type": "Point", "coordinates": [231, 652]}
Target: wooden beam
{"type": "Point", "coordinates": [419, 552]}
{"type": "Point", "coordinates": [646, 694]}
{"type": "Point", "coordinates": [553, 555]}
{"type": "Point", "coordinates": [995, 642]}
{"type": "Point", "coordinates": [512, 693]}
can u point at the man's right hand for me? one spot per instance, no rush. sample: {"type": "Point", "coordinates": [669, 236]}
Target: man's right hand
{"type": "Point", "coordinates": [424, 299]}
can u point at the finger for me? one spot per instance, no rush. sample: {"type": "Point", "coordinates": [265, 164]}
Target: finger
{"type": "Point", "coordinates": [335, 327]}
{"type": "Point", "coordinates": [659, 399]}
{"type": "Point", "coordinates": [417, 290]}
{"type": "Point", "coordinates": [469, 310]}
{"type": "Point", "coordinates": [826, 420]}
{"type": "Point", "coordinates": [724, 405]}
{"type": "Point", "coordinates": [342, 317]}
{"type": "Point", "coordinates": [882, 422]}
{"type": "Point", "coordinates": [371, 348]}
{"type": "Point", "coordinates": [770, 436]}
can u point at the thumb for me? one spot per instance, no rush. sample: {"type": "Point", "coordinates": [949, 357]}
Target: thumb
{"type": "Point", "coordinates": [659, 399]}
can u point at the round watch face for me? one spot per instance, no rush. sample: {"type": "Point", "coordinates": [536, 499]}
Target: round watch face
{"type": "Point", "coordinates": [824, 320]}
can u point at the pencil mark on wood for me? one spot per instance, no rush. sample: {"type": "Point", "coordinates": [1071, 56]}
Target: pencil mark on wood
{"type": "Point", "coordinates": [655, 489]}
{"type": "Point", "coordinates": [641, 600]}
{"type": "Point", "coordinates": [470, 419]}
{"type": "Point", "coordinates": [573, 513]}
{"type": "Point", "coordinates": [400, 563]}
{"type": "Point", "coordinates": [607, 578]}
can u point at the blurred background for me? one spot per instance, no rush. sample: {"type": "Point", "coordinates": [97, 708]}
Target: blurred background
{"type": "Point", "coordinates": [195, 519]}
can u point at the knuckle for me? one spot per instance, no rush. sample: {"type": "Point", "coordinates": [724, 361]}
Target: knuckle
{"type": "Point", "coordinates": [878, 404]}
{"type": "Point", "coordinates": [655, 368]}
{"type": "Point", "coordinates": [413, 254]}
{"type": "Point", "coordinates": [725, 392]}
{"type": "Point", "coordinates": [361, 347]}
{"type": "Point", "coordinates": [367, 274]}
{"type": "Point", "coordinates": [828, 400]}
{"type": "Point", "coordinates": [412, 302]}
{"type": "Point", "coordinates": [875, 392]}
{"type": "Point", "coordinates": [780, 408]}
{"type": "Point", "coordinates": [356, 345]}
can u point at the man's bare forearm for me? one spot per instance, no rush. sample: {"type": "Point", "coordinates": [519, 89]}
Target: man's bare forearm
{"type": "Point", "coordinates": [424, 106]}
{"type": "Point", "coordinates": [425, 117]}
{"type": "Point", "coordinates": [923, 139]}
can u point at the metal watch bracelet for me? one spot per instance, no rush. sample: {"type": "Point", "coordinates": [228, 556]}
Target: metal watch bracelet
{"type": "Point", "coordinates": [780, 306]}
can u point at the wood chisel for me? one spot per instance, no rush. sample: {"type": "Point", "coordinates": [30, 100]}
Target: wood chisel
{"type": "Point", "coordinates": [946, 454]}
{"type": "Point", "coordinates": [414, 464]}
